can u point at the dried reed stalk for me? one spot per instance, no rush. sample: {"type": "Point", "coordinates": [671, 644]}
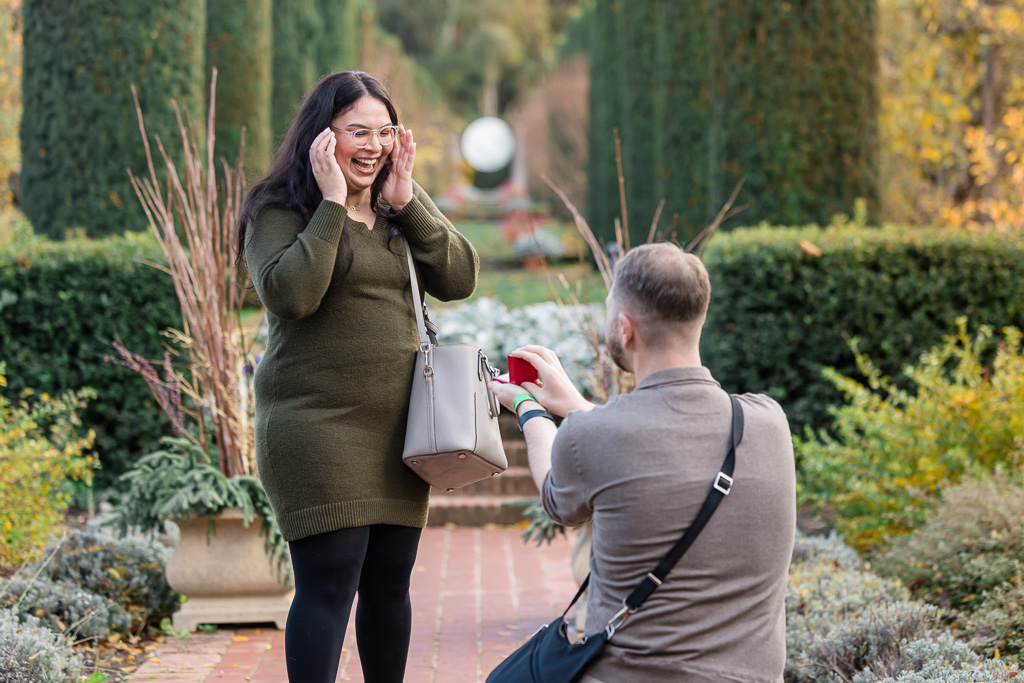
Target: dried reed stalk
{"type": "Point", "coordinates": [194, 221]}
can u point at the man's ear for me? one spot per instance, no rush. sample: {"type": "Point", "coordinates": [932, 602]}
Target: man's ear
{"type": "Point", "coordinates": [627, 330]}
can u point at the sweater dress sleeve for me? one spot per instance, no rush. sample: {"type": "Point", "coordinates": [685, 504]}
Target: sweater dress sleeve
{"type": "Point", "coordinates": [291, 262]}
{"type": "Point", "coordinates": [448, 263]}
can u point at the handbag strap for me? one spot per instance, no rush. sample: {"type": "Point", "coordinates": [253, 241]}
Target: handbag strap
{"type": "Point", "coordinates": [427, 329]}
{"type": "Point", "coordinates": [720, 488]}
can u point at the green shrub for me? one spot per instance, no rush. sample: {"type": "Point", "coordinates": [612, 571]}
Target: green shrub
{"type": "Point", "coordinates": [128, 571]}
{"type": "Point", "coordinates": [66, 608]}
{"type": "Point", "coordinates": [34, 651]}
{"type": "Point", "coordinates": [60, 305]}
{"type": "Point", "coordinates": [779, 313]}
{"type": "Point", "coordinates": [41, 451]}
{"type": "Point", "coordinates": [894, 451]}
{"type": "Point", "coordinates": [79, 131]}
{"type": "Point", "coordinates": [997, 626]}
{"type": "Point", "coordinates": [972, 543]}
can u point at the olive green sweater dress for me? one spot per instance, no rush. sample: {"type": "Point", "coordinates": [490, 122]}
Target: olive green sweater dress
{"type": "Point", "coordinates": [332, 388]}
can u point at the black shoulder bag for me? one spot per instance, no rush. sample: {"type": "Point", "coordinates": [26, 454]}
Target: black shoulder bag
{"type": "Point", "coordinates": [549, 657]}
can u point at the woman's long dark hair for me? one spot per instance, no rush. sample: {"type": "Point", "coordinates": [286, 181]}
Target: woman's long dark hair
{"type": "Point", "coordinates": [289, 183]}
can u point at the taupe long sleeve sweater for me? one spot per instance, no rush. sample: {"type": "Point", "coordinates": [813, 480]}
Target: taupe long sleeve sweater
{"type": "Point", "coordinates": [332, 388]}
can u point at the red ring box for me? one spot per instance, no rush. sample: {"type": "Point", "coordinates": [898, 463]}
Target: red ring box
{"type": "Point", "coordinates": [520, 371]}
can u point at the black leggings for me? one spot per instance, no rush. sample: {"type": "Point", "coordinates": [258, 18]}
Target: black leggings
{"type": "Point", "coordinates": [375, 561]}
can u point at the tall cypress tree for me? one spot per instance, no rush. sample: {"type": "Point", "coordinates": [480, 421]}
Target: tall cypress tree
{"type": "Point", "coordinates": [298, 30]}
{"type": "Point", "coordinates": [239, 44]}
{"type": "Point", "coordinates": [339, 48]}
{"type": "Point", "coordinates": [79, 130]}
{"type": "Point", "coordinates": [779, 93]}
{"type": "Point", "coordinates": [799, 106]}
{"type": "Point", "coordinates": [641, 108]}
{"type": "Point", "coordinates": [605, 82]}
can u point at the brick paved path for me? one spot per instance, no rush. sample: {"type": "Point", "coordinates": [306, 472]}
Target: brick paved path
{"type": "Point", "coordinates": [476, 594]}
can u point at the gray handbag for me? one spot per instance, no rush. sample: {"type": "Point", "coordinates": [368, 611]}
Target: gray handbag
{"type": "Point", "coordinates": [452, 437]}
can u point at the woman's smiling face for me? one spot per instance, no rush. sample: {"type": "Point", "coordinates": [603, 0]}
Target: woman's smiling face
{"type": "Point", "coordinates": [361, 166]}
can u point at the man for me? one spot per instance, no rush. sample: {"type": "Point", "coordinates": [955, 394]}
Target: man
{"type": "Point", "coordinates": [641, 466]}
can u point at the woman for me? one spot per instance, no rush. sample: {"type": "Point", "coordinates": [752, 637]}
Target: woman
{"type": "Point", "coordinates": [323, 235]}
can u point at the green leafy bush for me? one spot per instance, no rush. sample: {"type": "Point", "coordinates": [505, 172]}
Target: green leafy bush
{"type": "Point", "coordinates": [997, 625]}
{"type": "Point", "coordinates": [780, 312]}
{"type": "Point", "coordinates": [66, 608]}
{"type": "Point", "coordinates": [41, 451]}
{"type": "Point", "coordinates": [973, 542]}
{"type": "Point", "coordinates": [60, 305]}
{"type": "Point", "coordinates": [894, 451]}
{"type": "Point", "coordinates": [129, 571]}
{"type": "Point", "coordinates": [35, 652]}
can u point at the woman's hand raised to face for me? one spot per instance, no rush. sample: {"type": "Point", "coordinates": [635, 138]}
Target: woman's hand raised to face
{"type": "Point", "coordinates": [325, 167]}
{"type": "Point", "coordinates": [397, 190]}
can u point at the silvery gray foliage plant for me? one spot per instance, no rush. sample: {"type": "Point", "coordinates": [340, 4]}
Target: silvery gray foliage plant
{"type": "Point", "coordinates": [489, 324]}
{"type": "Point", "coordinates": [539, 242]}
{"type": "Point", "coordinates": [65, 607]}
{"type": "Point", "coordinates": [944, 659]}
{"type": "Point", "coordinates": [36, 651]}
{"type": "Point", "coordinates": [845, 623]}
{"type": "Point", "coordinates": [129, 570]}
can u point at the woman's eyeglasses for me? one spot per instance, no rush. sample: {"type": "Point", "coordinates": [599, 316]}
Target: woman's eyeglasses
{"type": "Point", "coordinates": [362, 136]}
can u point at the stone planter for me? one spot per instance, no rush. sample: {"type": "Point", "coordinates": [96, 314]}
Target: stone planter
{"type": "Point", "coordinates": [230, 579]}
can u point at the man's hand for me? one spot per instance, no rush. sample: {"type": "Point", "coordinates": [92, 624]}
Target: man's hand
{"type": "Point", "coordinates": [553, 388]}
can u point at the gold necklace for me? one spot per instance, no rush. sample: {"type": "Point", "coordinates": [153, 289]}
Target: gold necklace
{"type": "Point", "coordinates": [351, 207]}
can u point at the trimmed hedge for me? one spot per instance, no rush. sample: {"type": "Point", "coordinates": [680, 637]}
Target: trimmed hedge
{"type": "Point", "coordinates": [779, 314]}
{"type": "Point", "coordinates": [79, 130]}
{"type": "Point", "coordinates": [60, 303]}
{"type": "Point", "coordinates": [239, 43]}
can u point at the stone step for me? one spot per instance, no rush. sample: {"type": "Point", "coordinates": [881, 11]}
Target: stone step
{"type": "Point", "coordinates": [488, 501]}
{"type": "Point", "coordinates": [478, 510]}
{"type": "Point", "coordinates": [515, 481]}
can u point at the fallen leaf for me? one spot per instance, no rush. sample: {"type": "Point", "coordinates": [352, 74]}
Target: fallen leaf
{"type": "Point", "coordinates": [155, 660]}
{"type": "Point", "coordinates": [240, 639]}
{"type": "Point", "coordinates": [810, 248]}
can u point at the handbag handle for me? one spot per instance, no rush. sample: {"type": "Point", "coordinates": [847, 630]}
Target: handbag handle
{"type": "Point", "coordinates": [720, 488]}
{"type": "Point", "coordinates": [427, 330]}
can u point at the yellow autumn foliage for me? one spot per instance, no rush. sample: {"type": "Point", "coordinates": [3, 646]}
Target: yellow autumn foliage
{"type": "Point", "coordinates": [41, 451]}
{"type": "Point", "coordinates": [941, 164]}
{"type": "Point", "coordinates": [894, 451]}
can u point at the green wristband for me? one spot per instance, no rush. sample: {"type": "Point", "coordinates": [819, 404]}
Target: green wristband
{"type": "Point", "coordinates": [520, 398]}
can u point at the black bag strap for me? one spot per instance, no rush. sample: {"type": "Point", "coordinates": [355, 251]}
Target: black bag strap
{"type": "Point", "coordinates": [720, 488]}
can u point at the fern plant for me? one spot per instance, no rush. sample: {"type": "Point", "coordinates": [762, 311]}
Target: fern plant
{"type": "Point", "coordinates": [179, 483]}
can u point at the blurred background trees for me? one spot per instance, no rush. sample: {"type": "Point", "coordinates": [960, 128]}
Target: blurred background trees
{"type": "Point", "coordinates": [914, 106]}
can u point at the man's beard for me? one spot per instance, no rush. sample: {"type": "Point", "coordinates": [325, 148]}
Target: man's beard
{"type": "Point", "coordinates": [615, 351]}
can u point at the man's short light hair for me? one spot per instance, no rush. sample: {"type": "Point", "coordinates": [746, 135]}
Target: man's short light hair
{"type": "Point", "coordinates": [664, 288]}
